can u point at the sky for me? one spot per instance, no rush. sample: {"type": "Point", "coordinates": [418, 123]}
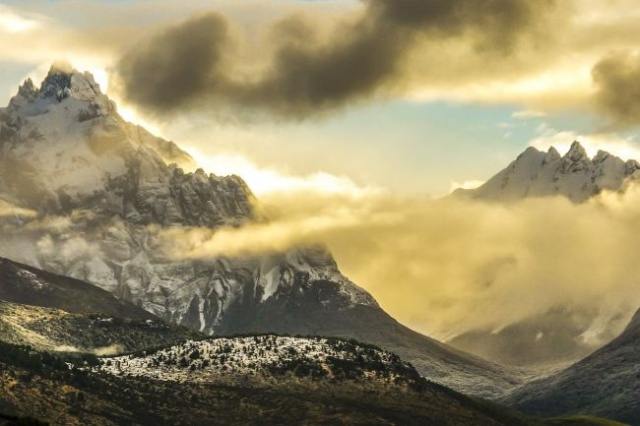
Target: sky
{"type": "Point", "coordinates": [438, 102]}
{"type": "Point", "coordinates": [354, 116]}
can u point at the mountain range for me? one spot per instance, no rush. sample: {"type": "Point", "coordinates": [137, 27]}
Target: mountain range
{"type": "Point", "coordinates": [605, 383]}
{"type": "Point", "coordinates": [573, 175]}
{"type": "Point", "coordinates": [99, 324]}
{"type": "Point", "coordinates": [252, 380]}
{"type": "Point", "coordinates": [96, 192]}
{"type": "Point", "coordinates": [150, 372]}
{"type": "Point", "coordinates": [556, 337]}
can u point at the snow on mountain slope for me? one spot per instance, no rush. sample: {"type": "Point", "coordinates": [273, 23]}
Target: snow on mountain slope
{"type": "Point", "coordinates": [574, 175]}
{"type": "Point", "coordinates": [101, 190]}
{"type": "Point", "coordinates": [78, 153]}
{"type": "Point", "coordinates": [606, 383]}
{"type": "Point", "coordinates": [207, 360]}
{"type": "Point", "coordinates": [245, 380]}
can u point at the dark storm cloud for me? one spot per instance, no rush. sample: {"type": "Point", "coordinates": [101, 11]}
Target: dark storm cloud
{"type": "Point", "coordinates": [176, 65]}
{"type": "Point", "coordinates": [617, 79]}
{"type": "Point", "coordinates": [308, 74]}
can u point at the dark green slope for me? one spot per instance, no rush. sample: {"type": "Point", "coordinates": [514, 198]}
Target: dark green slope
{"type": "Point", "coordinates": [48, 329]}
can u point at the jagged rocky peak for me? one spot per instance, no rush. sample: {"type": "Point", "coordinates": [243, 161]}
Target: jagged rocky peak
{"type": "Point", "coordinates": [601, 156]}
{"type": "Point", "coordinates": [58, 79]}
{"type": "Point", "coordinates": [62, 82]}
{"type": "Point", "coordinates": [553, 152]}
{"type": "Point", "coordinates": [121, 205]}
{"type": "Point", "coordinates": [574, 175]}
{"type": "Point", "coordinates": [27, 89]}
{"type": "Point", "coordinates": [63, 147]}
{"type": "Point", "coordinates": [576, 152]}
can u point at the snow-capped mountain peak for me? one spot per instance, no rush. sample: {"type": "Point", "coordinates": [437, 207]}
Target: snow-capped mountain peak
{"type": "Point", "coordinates": [64, 149]}
{"type": "Point", "coordinates": [576, 152]}
{"type": "Point", "coordinates": [62, 85]}
{"type": "Point", "coordinates": [574, 175]}
{"type": "Point", "coordinates": [553, 152]}
{"type": "Point", "coordinates": [67, 154]}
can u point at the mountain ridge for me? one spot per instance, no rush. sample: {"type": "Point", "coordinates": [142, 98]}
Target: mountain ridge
{"type": "Point", "coordinates": [604, 383]}
{"type": "Point", "coordinates": [555, 337]}
{"type": "Point", "coordinates": [536, 173]}
{"type": "Point", "coordinates": [72, 157]}
{"type": "Point", "coordinates": [55, 330]}
{"type": "Point", "coordinates": [27, 285]}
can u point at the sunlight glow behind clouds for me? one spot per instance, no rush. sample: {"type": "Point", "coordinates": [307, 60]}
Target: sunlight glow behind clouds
{"type": "Point", "coordinates": [453, 265]}
{"type": "Point", "coordinates": [467, 184]}
{"type": "Point", "coordinates": [11, 22]}
{"type": "Point", "coordinates": [615, 144]}
{"type": "Point", "coordinates": [564, 86]}
{"type": "Point", "coordinates": [264, 181]}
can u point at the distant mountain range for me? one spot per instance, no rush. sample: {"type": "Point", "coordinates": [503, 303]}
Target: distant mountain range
{"type": "Point", "coordinates": [606, 383]}
{"type": "Point", "coordinates": [102, 327]}
{"type": "Point", "coordinates": [574, 175]}
{"type": "Point", "coordinates": [100, 190]}
{"type": "Point", "coordinates": [543, 341]}
{"type": "Point", "coordinates": [554, 337]}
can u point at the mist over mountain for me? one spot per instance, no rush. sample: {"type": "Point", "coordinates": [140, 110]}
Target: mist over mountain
{"type": "Point", "coordinates": [604, 383]}
{"type": "Point", "coordinates": [100, 190]}
{"type": "Point", "coordinates": [559, 335]}
{"type": "Point", "coordinates": [344, 212]}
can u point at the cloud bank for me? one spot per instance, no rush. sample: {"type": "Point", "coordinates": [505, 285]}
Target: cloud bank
{"type": "Point", "coordinates": [617, 79]}
{"type": "Point", "coordinates": [449, 266]}
{"type": "Point", "coordinates": [314, 68]}
{"type": "Point", "coordinates": [289, 60]}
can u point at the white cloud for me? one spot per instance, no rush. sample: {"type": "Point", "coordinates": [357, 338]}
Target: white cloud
{"type": "Point", "coordinates": [467, 184]}
{"type": "Point", "coordinates": [613, 143]}
{"type": "Point", "coordinates": [264, 181]}
{"type": "Point", "coordinates": [12, 21]}
{"type": "Point", "coordinates": [528, 113]}
{"type": "Point", "coordinates": [9, 210]}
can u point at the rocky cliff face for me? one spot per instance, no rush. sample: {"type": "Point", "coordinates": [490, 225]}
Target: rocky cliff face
{"type": "Point", "coordinates": [574, 175]}
{"type": "Point", "coordinates": [60, 153]}
{"type": "Point", "coordinates": [100, 191]}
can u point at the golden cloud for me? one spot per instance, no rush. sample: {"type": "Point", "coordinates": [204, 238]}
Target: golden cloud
{"type": "Point", "coordinates": [448, 266]}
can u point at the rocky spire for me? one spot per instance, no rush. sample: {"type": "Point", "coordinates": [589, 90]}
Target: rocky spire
{"type": "Point", "coordinates": [57, 80]}
{"type": "Point", "coordinates": [601, 156]}
{"type": "Point", "coordinates": [64, 81]}
{"type": "Point", "coordinates": [552, 152]}
{"type": "Point", "coordinates": [576, 152]}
